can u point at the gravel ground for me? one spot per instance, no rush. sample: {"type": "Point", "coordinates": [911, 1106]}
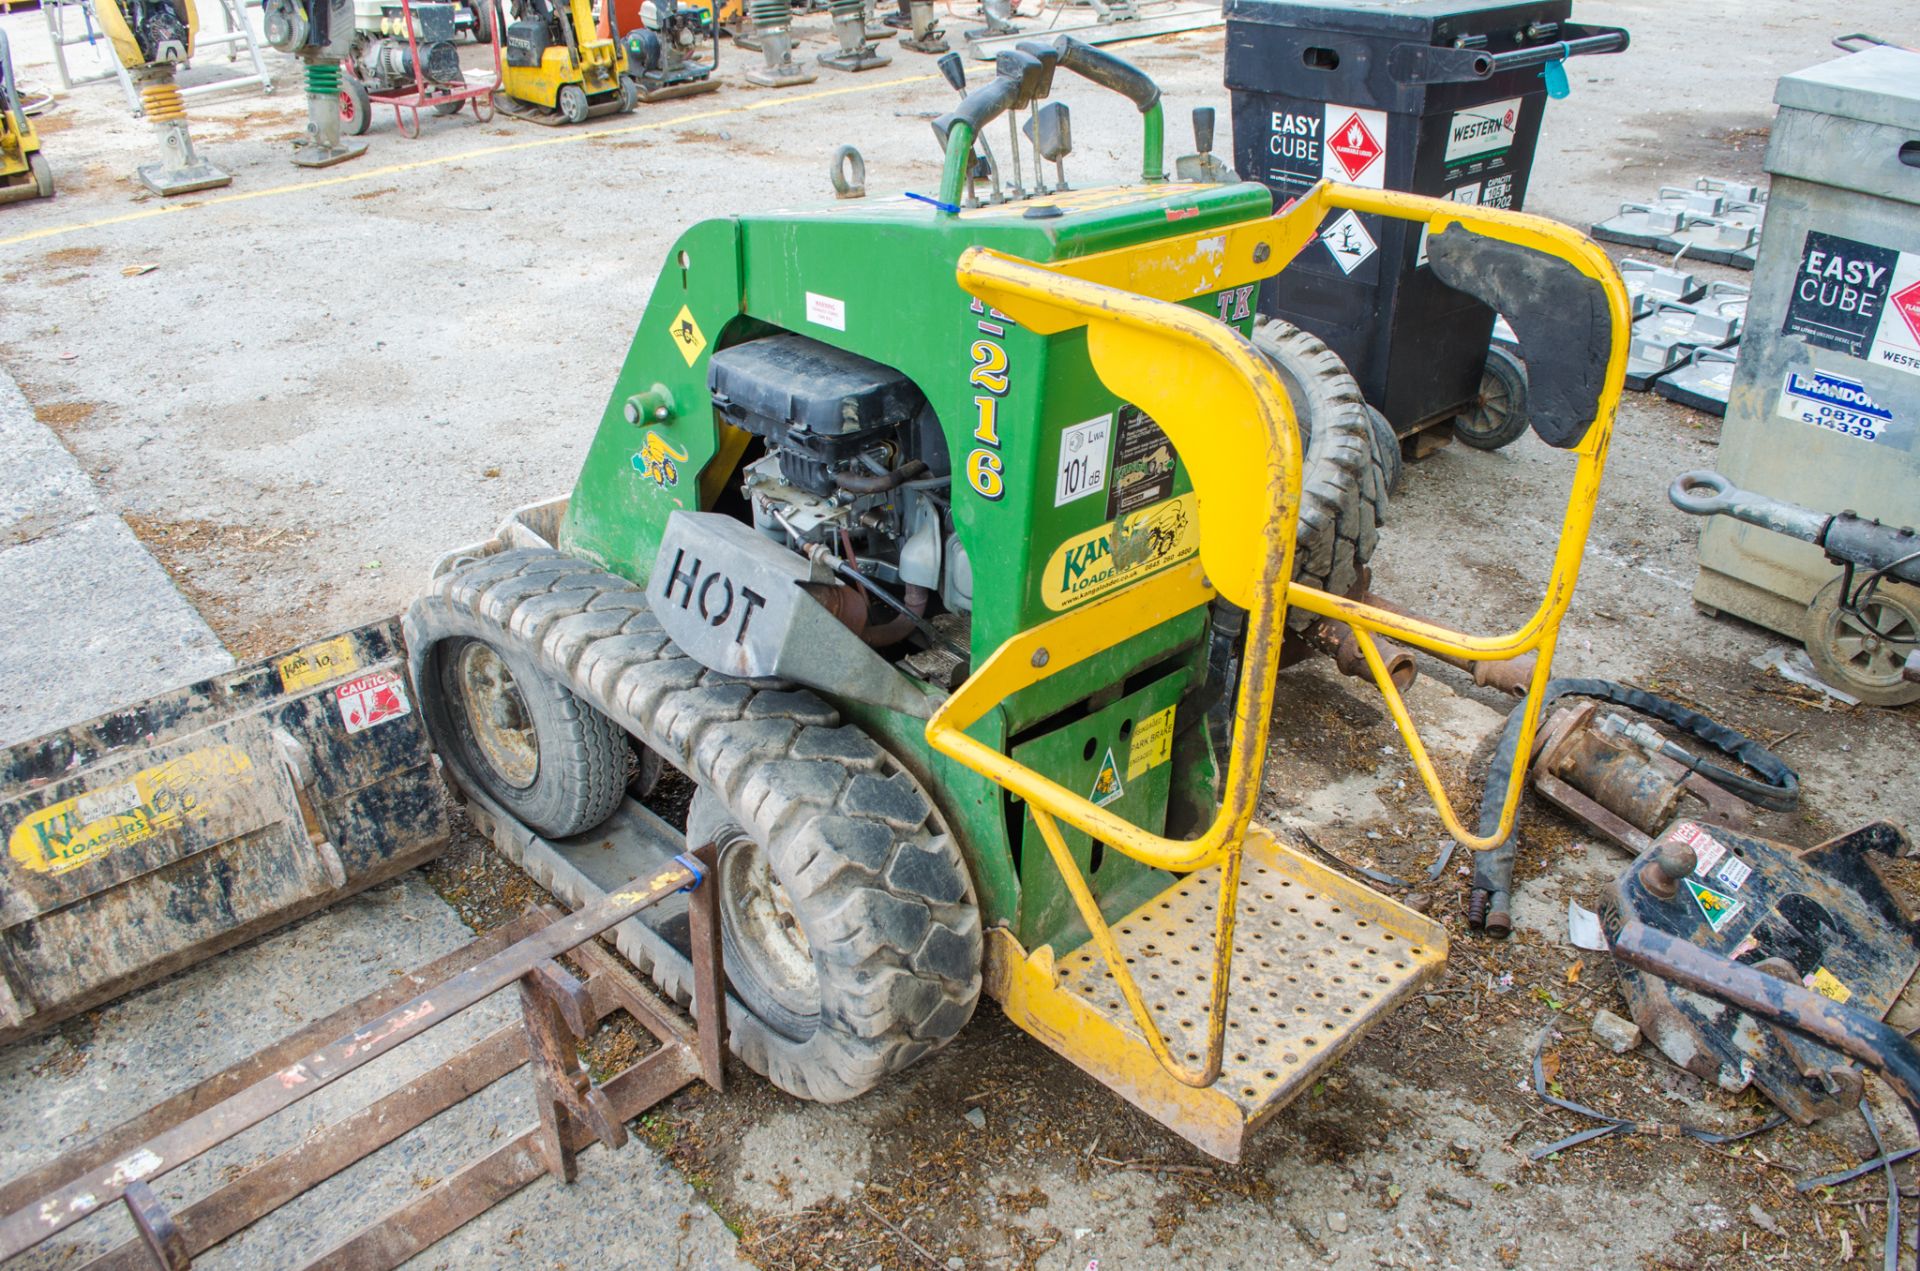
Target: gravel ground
{"type": "Point", "coordinates": [327, 379]}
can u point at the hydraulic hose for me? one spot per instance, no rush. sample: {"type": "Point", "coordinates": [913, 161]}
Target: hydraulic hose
{"type": "Point", "coordinates": [1779, 788]}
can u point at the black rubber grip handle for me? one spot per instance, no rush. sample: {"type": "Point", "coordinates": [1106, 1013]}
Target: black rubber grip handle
{"type": "Point", "coordinates": [1024, 70]}
{"type": "Point", "coordinates": [1048, 57]}
{"type": "Point", "coordinates": [981, 107]}
{"type": "Point", "coordinates": [1108, 71]}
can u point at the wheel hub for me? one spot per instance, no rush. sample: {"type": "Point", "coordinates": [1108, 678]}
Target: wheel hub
{"type": "Point", "coordinates": [755, 904]}
{"type": "Point", "coordinates": [502, 729]}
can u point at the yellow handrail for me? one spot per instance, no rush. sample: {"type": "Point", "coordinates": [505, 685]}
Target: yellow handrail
{"type": "Point", "coordinates": [1230, 421]}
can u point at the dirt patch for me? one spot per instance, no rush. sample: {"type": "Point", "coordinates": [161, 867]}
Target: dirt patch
{"type": "Point", "coordinates": [374, 194]}
{"type": "Point", "coordinates": [72, 257]}
{"type": "Point", "coordinates": [201, 557]}
{"type": "Point", "coordinates": [61, 416]}
{"type": "Point", "coordinates": [47, 125]}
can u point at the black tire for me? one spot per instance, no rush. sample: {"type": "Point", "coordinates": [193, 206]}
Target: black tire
{"type": "Point", "coordinates": [1500, 416]}
{"type": "Point", "coordinates": [482, 11]}
{"type": "Point", "coordinates": [356, 108]}
{"type": "Point", "coordinates": [629, 94]}
{"type": "Point", "coordinates": [42, 176]}
{"type": "Point", "coordinates": [878, 884]}
{"type": "Point", "coordinates": [571, 102]}
{"type": "Point", "coordinates": [1386, 451]}
{"type": "Point", "coordinates": [573, 773]}
{"type": "Point", "coordinates": [1343, 491]}
{"type": "Point", "coordinates": [445, 109]}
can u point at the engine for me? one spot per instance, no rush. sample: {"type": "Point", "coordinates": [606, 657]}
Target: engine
{"type": "Point", "coordinates": [855, 467]}
{"type": "Point", "coordinates": [380, 51]}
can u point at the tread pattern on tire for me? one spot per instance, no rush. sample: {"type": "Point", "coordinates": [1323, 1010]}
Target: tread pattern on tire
{"type": "Point", "coordinates": [1343, 490]}
{"type": "Point", "coordinates": [901, 962]}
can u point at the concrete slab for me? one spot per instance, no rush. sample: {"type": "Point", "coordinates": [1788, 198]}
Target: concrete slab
{"type": "Point", "coordinates": [89, 619]}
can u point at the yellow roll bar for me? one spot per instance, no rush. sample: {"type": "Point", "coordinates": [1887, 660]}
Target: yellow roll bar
{"type": "Point", "coordinates": [1234, 428]}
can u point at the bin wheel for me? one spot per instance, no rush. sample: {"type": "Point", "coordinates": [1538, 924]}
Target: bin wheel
{"type": "Point", "coordinates": [356, 108]}
{"type": "Point", "coordinates": [572, 103]}
{"type": "Point", "coordinates": [629, 94]}
{"type": "Point", "coordinates": [1862, 653]}
{"type": "Point", "coordinates": [1386, 451]}
{"type": "Point", "coordinates": [1500, 416]}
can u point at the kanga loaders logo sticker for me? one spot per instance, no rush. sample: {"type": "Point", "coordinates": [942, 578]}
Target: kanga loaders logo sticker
{"type": "Point", "coordinates": [1716, 907]}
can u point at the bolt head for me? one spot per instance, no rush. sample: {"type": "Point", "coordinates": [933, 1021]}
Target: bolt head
{"type": "Point", "coordinates": [1040, 657]}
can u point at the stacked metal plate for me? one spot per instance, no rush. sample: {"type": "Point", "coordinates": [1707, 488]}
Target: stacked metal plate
{"type": "Point", "coordinates": [1713, 220]}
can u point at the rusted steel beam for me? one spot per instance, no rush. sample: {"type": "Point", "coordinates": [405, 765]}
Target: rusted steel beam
{"type": "Point", "coordinates": [24, 1228]}
{"type": "Point", "coordinates": [609, 978]}
{"type": "Point", "coordinates": [169, 1112]}
{"type": "Point", "coordinates": [1774, 1001]}
{"type": "Point", "coordinates": [480, 1186]}
{"type": "Point", "coordinates": [709, 1000]}
{"type": "Point", "coordinates": [265, 1188]}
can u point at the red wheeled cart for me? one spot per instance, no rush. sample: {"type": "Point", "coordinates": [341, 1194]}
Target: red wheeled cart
{"type": "Point", "coordinates": [405, 58]}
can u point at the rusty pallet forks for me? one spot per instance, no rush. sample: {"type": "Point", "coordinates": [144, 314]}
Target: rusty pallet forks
{"type": "Point", "coordinates": [557, 1011]}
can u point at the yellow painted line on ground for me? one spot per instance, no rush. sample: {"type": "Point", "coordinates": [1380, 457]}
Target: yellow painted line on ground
{"type": "Point", "coordinates": [563, 138]}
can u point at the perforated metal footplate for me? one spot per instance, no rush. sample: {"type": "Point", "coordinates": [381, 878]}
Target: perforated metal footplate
{"type": "Point", "coordinates": [1317, 960]}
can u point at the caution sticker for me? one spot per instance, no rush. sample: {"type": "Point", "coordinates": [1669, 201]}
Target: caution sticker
{"type": "Point", "coordinates": [68, 834]}
{"type": "Point", "coordinates": [372, 699]}
{"type": "Point", "coordinates": [1107, 785]}
{"type": "Point", "coordinates": [1152, 743]}
{"type": "Point", "coordinates": [1356, 147]}
{"type": "Point", "coordinates": [318, 663]}
{"type": "Point", "coordinates": [1717, 908]}
{"type": "Point", "coordinates": [687, 335]}
{"type": "Point", "coordinates": [1828, 984]}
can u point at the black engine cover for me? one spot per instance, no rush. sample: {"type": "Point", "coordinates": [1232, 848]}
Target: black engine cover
{"type": "Point", "coordinates": [803, 395]}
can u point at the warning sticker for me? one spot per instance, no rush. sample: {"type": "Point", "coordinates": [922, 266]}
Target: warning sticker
{"type": "Point", "coordinates": [1083, 460]}
{"type": "Point", "coordinates": [1734, 872]}
{"type": "Point", "coordinates": [372, 699]}
{"type": "Point", "coordinates": [827, 311]}
{"type": "Point", "coordinates": [1898, 342]}
{"type": "Point", "coordinates": [318, 663]}
{"type": "Point", "coordinates": [1706, 849]}
{"type": "Point", "coordinates": [1836, 403]}
{"type": "Point", "coordinates": [1840, 293]}
{"type": "Point", "coordinates": [1349, 242]}
{"type": "Point", "coordinates": [687, 336]}
{"type": "Point", "coordinates": [1142, 463]}
{"type": "Point", "coordinates": [1152, 743]}
{"type": "Point", "coordinates": [1717, 908]}
{"type": "Point", "coordinates": [1825, 982]}
{"type": "Point", "coordinates": [1482, 132]}
{"type": "Point", "coordinates": [1106, 782]}
{"type": "Point", "coordinates": [1356, 147]}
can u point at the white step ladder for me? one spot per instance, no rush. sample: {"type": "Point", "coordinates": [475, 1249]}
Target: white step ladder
{"type": "Point", "coordinates": [236, 37]}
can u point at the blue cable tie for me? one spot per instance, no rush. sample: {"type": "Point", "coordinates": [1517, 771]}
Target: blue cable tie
{"type": "Point", "coordinates": [695, 868]}
{"type": "Point", "coordinates": [953, 208]}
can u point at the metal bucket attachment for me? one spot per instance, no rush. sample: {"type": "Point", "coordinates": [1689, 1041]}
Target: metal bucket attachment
{"type": "Point", "coordinates": [145, 840]}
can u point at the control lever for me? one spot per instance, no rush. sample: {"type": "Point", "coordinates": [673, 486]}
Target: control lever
{"type": "Point", "coordinates": [1203, 166]}
{"type": "Point", "coordinates": [1051, 131]}
{"type": "Point", "coordinates": [1049, 57]}
{"type": "Point", "coordinates": [1025, 70]}
{"type": "Point", "coordinates": [954, 71]}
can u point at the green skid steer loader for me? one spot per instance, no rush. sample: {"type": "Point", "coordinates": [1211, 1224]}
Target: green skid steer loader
{"type": "Point", "coordinates": [924, 534]}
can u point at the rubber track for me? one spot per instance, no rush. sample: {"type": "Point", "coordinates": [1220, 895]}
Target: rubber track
{"type": "Point", "coordinates": [880, 886]}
